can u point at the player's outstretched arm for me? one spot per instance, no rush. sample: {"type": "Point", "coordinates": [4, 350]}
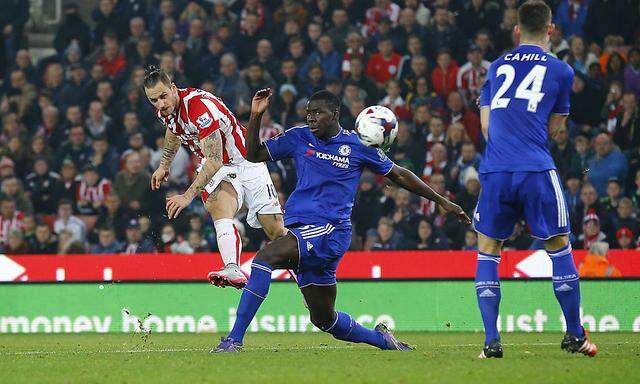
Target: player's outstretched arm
{"type": "Point", "coordinates": [169, 149]}
{"type": "Point", "coordinates": [409, 181]}
{"type": "Point", "coordinates": [484, 121]}
{"type": "Point", "coordinates": [256, 151]}
{"type": "Point", "coordinates": [212, 150]}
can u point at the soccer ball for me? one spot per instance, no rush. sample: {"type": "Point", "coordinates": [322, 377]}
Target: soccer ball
{"type": "Point", "coordinates": [377, 126]}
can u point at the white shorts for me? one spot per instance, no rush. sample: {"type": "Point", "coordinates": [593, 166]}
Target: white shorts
{"type": "Point", "coordinates": [253, 186]}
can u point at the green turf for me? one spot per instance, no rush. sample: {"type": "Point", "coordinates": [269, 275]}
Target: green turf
{"type": "Point", "coordinates": [309, 358]}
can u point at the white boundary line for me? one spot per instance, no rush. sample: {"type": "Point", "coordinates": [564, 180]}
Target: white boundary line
{"type": "Point", "coordinates": [314, 347]}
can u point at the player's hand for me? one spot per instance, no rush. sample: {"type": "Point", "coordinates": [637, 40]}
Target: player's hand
{"type": "Point", "coordinates": [260, 100]}
{"type": "Point", "coordinates": [160, 176]}
{"type": "Point", "coordinates": [175, 205]}
{"type": "Point", "coordinates": [454, 208]}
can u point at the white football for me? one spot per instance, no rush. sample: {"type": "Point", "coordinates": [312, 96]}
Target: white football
{"type": "Point", "coordinates": [377, 126]}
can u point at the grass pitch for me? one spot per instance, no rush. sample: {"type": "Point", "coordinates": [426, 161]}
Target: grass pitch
{"type": "Point", "coordinates": [310, 358]}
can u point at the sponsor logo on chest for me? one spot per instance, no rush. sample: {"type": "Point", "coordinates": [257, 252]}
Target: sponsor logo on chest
{"type": "Point", "coordinates": [340, 160]}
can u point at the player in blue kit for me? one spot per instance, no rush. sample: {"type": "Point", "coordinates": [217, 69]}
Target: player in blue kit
{"type": "Point", "coordinates": [329, 161]}
{"type": "Point", "coordinates": [524, 98]}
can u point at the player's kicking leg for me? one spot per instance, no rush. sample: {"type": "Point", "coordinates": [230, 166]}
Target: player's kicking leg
{"type": "Point", "coordinates": [281, 253]}
{"type": "Point", "coordinates": [321, 301]}
{"type": "Point", "coordinates": [222, 204]}
{"type": "Point", "coordinates": [566, 287]}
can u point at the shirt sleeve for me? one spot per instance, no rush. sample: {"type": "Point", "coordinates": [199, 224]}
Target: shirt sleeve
{"type": "Point", "coordinates": [376, 160]}
{"type": "Point", "coordinates": [202, 114]}
{"type": "Point", "coordinates": [564, 92]}
{"type": "Point", "coordinates": [485, 92]}
{"type": "Point", "coordinates": [283, 145]}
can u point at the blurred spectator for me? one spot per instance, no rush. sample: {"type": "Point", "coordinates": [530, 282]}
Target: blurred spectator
{"type": "Point", "coordinates": [92, 191]}
{"type": "Point", "coordinates": [458, 112]}
{"type": "Point", "coordinates": [595, 264]}
{"type": "Point", "coordinates": [68, 184]}
{"type": "Point", "coordinates": [563, 152]}
{"type": "Point", "coordinates": [579, 58]}
{"type": "Point", "coordinates": [67, 243]}
{"type": "Point", "coordinates": [623, 216]}
{"type": "Point", "coordinates": [591, 232]}
{"type": "Point", "coordinates": [76, 148]}
{"type": "Point", "coordinates": [394, 101]}
{"type": "Point", "coordinates": [135, 243]}
{"type": "Point", "coordinates": [43, 242]}
{"type": "Point", "coordinates": [194, 243]}
{"type": "Point", "coordinates": [504, 35]}
{"type": "Point", "coordinates": [443, 77]}
{"type": "Point", "coordinates": [107, 242]}
{"type": "Point", "coordinates": [357, 77]}
{"type": "Point", "coordinates": [131, 184]}
{"type": "Point", "coordinates": [557, 43]}
{"type": "Point", "coordinates": [612, 106]}
{"type": "Point", "coordinates": [29, 228]}
{"type": "Point", "coordinates": [407, 26]}
{"type": "Point", "coordinates": [16, 244]}
{"type": "Point", "coordinates": [65, 220]}
{"type": "Point", "coordinates": [468, 197]}
{"type": "Point", "coordinates": [12, 189]}
{"type": "Point", "coordinates": [624, 239]}
{"type": "Point", "coordinates": [326, 56]}
{"type": "Point", "coordinates": [427, 239]}
{"type": "Point", "coordinates": [519, 239]}
{"type": "Point", "coordinates": [10, 219]}
{"type": "Point", "coordinates": [613, 196]}
{"type": "Point", "coordinates": [367, 208]}
{"type": "Point", "coordinates": [406, 151]}
{"type": "Point", "coordinates": [168, 242]}
{"type": "Point", "coordinates": [572, 193]}
{"type": "Point", "coordinates": [586, 101]}
{"type": "Point", "coordinates": [627, 129]}
{"type": "Point", "coordinates": [384, 238]}
{"type": "Point", "coordinates": [384, 65]}
{"type": "Point", "coordinates": [113, 215]}
{"type": "Point", "coordinates": [608, 162]}
{"type": "Point", "coordinates": [471, 74]}
{"type": "Point", "coordinates": [112, 60]}
{"type": "Point", "coordinates": [632, 72]}
{"type": "Point", "coordinates": [382, 9]}
{"type": "Point", "coordinates": [442, 34]}
{"type": "Point", "coordinates": [608, 18]}
{"type": "Point", "coordinates": [478, 14]}
{"type": "Point", "coordinates": [354, 49]}
{"type": "Point", "coordinates": [571, 16]}
{"type": "Point", "coordinates": [470, 240]}
{"type": "Point", "coordinates": [229, 85]}
{"type": "Point", "coordinates": [107, 20]}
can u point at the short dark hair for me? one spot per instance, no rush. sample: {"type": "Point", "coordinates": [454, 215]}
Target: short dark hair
{"type": "Point", "coordinates": [153, 75]}
{"type": "Point", "coordinates": [331, 100]}
{"type": "Point", "coordinates": [534, 16]}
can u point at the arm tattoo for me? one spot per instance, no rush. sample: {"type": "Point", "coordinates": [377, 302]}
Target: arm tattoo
{"type": "Point", "coordinates": [170, 148]}
{"type": "Point", "coordinates": [212, 149]}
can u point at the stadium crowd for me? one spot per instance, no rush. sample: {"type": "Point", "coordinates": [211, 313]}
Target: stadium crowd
{"type": "Point", "coordinates": [79, 139]}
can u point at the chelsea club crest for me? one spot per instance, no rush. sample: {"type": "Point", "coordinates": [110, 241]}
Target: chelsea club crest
{"type": "Point", "coordinates": [344, 150]}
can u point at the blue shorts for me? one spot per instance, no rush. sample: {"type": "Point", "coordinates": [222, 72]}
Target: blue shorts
{"type": "Point", "coordinates": [321, 247]}
{"type": "Point", "coordinates": [506, 197]}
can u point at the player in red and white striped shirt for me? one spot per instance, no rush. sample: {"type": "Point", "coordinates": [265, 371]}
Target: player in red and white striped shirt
{"type": "Point", "coordinates": [225, 179]}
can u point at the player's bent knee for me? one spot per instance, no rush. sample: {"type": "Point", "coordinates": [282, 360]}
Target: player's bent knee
{"type": "Point", "coordinates": [323, 321]}
{"type": "Point", "coordinates": [489, 245]}
{"type": "Point", "coordinates": [556, 242]}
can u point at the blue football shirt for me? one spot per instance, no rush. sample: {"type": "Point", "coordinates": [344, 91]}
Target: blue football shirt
{"type": "Point", "coordinates": [328, 173]}
{"type": "Point", "coordinates": [523, 88]}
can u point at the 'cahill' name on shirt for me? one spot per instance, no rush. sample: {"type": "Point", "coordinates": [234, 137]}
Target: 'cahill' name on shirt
{"type": "Point", "coordinates": [524, 57]}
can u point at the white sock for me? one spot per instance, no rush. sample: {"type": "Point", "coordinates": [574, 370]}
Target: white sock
{"type": "Point", "coordinates": [229, 241]}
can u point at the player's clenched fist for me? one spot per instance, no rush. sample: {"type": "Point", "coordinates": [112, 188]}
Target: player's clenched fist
{"type": "Point", "coordinates": [260, 100]}
{"type": "Point", "coordinates": [160, 176]}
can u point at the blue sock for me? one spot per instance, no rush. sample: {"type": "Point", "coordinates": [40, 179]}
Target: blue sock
{"type": "Point", "coordinates": [347, 329]}
{"type": "Point", "coordinates": [566, 286]}
{"type": "Point", "coordinates": [252, 296]}
{"type": "Point", "coordinates": [488, 293]}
